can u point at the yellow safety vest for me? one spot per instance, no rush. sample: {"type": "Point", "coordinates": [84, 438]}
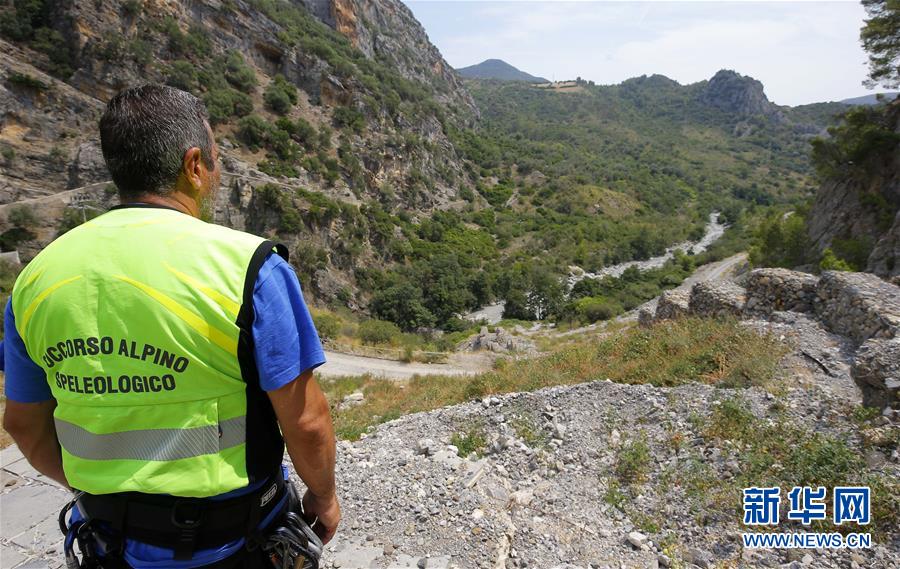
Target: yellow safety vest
{"type": "Point", "coordinates": [141, 319]}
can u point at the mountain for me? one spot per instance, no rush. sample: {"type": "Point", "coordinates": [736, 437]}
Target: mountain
{"type": "Point", "coordinates": [338, 106]}
{"type": "Point", "coordinates": [871, 99]}
{"type": "Point", "coordinates": [401, 191]}
{"type": "Point", "coordinates": [498, 69]}
{"type": "Point", "coordinates": [737, 94]}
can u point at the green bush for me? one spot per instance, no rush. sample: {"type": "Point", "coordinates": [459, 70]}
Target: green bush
{"type": "Point", "coordinates": [346, 117]}
{"type": "Point", "coordinates": [328, 325]}
{"type": "Point", "coordinates": [22, 216]}
{"type": "Point", "coordinates": [593, 309]}
{"type": "Point", "coordinates": [26, 80]}
{"type": "Point", "coordinates": [54, 46]}
{"type": "Point", "coordinates": [182, 74]}
{"type": "Point", "coordinates": [253, 130]}
{"type": "Point", "coordinates": [223, 104]}
{"type": "Point", "coordinates": [280, 95]}
{"type": "Point", "coordinates": [830, 262]}
{"type": "Point", "coordinates": [239, 74]}
{"type": "Point", "coordinates": [633, 461]}
{"type": "Point", "coordinates": [379, 332]}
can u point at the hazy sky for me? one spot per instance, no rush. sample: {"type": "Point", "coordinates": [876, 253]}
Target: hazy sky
{"type": "Point", "coordinates": [803, 52]}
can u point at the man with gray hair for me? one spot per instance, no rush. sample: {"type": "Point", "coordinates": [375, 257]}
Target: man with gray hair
{"type": "Point", "coordinates": [158, 365]}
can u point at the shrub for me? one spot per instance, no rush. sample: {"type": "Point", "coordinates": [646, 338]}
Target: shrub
{"type": "Point", "coordinates": [223, 104]}
{"type": "Point", "coordinates": [280, 95]}
{"type": "Point", "coordinates": [472, 440]}
{"type": "Point", "coordinates": [239, 74]}
{"type": "Point", "coordinates": [327, 325]}
{"type": "Point", "coordinates": [253, 130]}
{"type": "Point", "coordinates": [593, 309]}
{"type": "Point", "coordinates": [349, 118]}
{"type": "Point", "coordinates": [54, 45]}
{"type": "Point", "coordinates": [26, 80]}
{"type": "Point", "coordinates": [378, 332]}
{"type": "Point", "coordinates": [132, 8]}
{"type": "Point", "coordinates": [633, 461]}
{"type": "Point", "coordinates": [830, 262]}
{"type": "Point", "coordinates": [22, 216]}
{"type": "Point", "coordinates": [182, 74]}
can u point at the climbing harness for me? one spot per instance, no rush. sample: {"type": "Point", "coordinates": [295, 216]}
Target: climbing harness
{"type": "Point", "coordinates": [294, 544]}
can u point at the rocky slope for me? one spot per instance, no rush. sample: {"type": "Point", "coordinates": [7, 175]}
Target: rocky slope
{"type": "Point", "coordinates": [379, 112]}
{"type": "Point", "coordinates": [862, 209]}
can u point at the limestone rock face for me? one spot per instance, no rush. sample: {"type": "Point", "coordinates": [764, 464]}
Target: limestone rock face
{"type": "Point", "coordinates": [737, 94]}
{"type": "Point", "coordinates": [865, 210]}
{"type": "Point", "coordinates": [407, 96]}
{"type": "Point", "coordinates": [499, 341]}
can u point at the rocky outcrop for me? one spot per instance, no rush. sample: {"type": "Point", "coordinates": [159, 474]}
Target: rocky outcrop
{"type": "Point", "coordinates": [499, 341]}
{"type": "Point", "coordinates": [863, 208]}
{"type": "Point", "coordinates": [737, 94]}
{"type": "Point", "coordinates": [770, 290]}
{"type": "Point", "coordinates": [673, 304]}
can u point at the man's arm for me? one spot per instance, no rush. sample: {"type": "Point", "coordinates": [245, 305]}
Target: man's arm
{"type": "Point", "coordinates": [305, 419]}
{"type": "Point", "coordinates": [31, 426]}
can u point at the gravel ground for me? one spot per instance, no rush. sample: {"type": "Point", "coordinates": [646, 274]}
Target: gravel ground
{"type": "Point", "coordinates": [539, 496]}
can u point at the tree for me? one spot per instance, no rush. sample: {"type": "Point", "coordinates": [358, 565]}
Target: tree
{"type": "Point", "coordinates": [403, 305]}
{"type": "Point", "coordinates": [880, 37]}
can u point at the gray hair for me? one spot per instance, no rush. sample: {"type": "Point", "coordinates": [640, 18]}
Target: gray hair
{"type": "Point", "coordinates": [144, 134]}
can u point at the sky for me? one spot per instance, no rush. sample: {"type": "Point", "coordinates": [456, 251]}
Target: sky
{"type": "Point", "coordinates": [803, 52]}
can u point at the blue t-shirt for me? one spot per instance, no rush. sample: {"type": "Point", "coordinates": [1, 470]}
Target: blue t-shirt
{"type": "Point", "coordinates": [285, 345]}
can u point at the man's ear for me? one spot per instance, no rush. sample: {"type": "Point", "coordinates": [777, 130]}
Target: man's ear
{"type": "Point", "coordinates": [192, 167]}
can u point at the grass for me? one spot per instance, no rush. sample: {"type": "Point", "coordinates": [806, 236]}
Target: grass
{"type": "Point", "coordinates": [633, 461]}
{"type": "Point", "coordinates": [469, 441]}
{"type": "Point", "coordinates": [716, 352]}
{"type": "Point", "coordinates": [776, 453]}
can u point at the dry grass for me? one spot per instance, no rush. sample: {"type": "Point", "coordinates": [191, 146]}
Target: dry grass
{"type": "Point", "coordinates": [716, 352]}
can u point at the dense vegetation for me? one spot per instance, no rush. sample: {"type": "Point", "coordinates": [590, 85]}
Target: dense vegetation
{"type": "Point", "coordinates": [592, 177]}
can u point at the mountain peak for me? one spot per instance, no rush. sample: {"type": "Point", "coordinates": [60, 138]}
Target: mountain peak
{"type": "Point", "coordinates": [735, 93]}
{"type": "Point", "coordinates": [498, 69]}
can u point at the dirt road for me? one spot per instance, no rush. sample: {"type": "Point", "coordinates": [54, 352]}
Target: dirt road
{"type": "Point", "coordinates": [338, 364]}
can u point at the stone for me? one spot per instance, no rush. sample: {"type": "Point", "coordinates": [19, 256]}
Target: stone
{"type": "Point", "coordinates": [876, 370]}
{"type": "Point", "coordinates": [637, 539]}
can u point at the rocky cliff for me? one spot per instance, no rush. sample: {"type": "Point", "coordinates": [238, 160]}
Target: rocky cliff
{"type": "Point", "coordinates": [346, 99]}
{"type": "Point", "coordinates": [857, 207]}
{"type": "Point", "coordinates": [737, 94]}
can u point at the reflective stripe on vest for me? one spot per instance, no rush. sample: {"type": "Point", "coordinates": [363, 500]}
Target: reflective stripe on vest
{"type": "Point", "coordinates": [151, 444]}
{"type": "Point", "coordinates": [133, 317]}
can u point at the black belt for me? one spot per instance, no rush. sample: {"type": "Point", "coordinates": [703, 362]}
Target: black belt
{"type": "Point", "coordinates": [184, 524]}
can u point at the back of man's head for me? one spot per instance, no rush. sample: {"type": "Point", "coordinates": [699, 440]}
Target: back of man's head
{"type": "Point", "coordinates": [145, 132]}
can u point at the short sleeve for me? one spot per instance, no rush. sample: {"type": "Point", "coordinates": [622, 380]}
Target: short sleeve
{"type": "Point", "coordinates": [25, 381]}
{"type": "Point", "coordinates": [285, 341]}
